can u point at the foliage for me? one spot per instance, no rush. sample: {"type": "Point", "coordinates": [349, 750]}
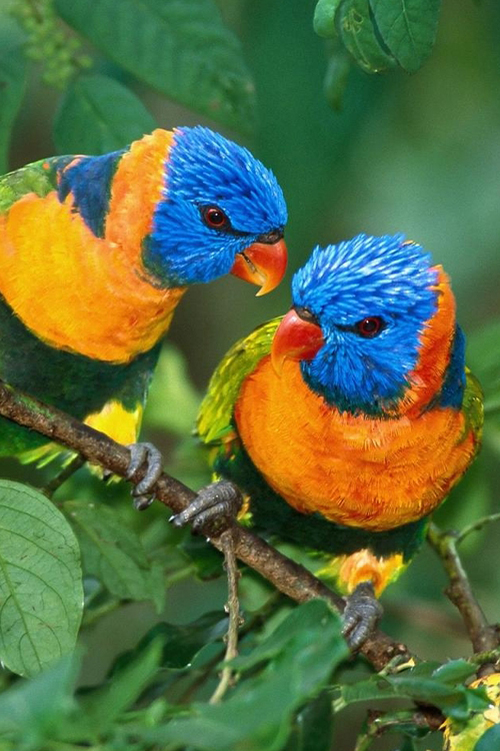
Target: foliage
{"type": "Point", "coordinates": [297, 687]}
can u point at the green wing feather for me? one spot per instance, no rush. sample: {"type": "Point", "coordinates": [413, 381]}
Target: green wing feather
{"type": "Point", "coordinates": [215, 418]}
{"type": "Point", "coordinates": [39, 177]}
{"type": "Point", "coordinates": [473, 406]}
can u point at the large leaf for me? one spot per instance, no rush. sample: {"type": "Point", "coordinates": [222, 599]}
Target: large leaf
{"type": "Point", "coordinates": [360, 38]}
{"type": "Point", "coordinates": [258, 714]}
{"type": "Point", "coordinates": [113, 553]}
{"type": "Point", "coordinates": [12, 81]}
{"type": "Point", "coordinates": [97, 114]}
{"type": "Point", "coordinates": [41, 591]}
{"type": "Point", "coordinates": [408, 28]}
{"type": "Point", "coordinates": [180, 47]}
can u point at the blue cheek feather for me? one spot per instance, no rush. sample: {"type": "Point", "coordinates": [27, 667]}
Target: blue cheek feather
{"type": "Point", "coordinates": [194, 253]}
{"type": "Point", "coordinates": [341, 285]}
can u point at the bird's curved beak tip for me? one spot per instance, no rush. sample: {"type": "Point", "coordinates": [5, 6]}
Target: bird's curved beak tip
{"type": "Point", "coordinates": [263, 264]}
{"type": "Point", "coordinates": [295, 339]}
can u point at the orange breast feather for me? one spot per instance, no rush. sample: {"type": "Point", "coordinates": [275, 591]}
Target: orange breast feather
{"type": "Point", "coordinates": [81, 293]}
{"type": "Point", "coordinates": [375, 474]}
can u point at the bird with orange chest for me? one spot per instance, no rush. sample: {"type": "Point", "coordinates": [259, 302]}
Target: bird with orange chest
{"type": "Point", "coordinates": [95, 254]}
{"type": "Point", "coordinates": [347, 421]}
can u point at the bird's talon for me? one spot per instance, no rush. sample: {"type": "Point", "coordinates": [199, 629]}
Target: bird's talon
{"type": "Point", "coordinates": [142, 502]}
{"type": "Point", "coordinates": [144, 454]}
{"type": "Point", "coordinates": [361, 615]}
{"type": "Point", "coordinates": [214, 505]}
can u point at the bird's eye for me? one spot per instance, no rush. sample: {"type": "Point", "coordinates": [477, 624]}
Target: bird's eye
{"type": "Point", "coordinates": [370, 327]}
{"type": "Point", "coordinates": [214, 217]}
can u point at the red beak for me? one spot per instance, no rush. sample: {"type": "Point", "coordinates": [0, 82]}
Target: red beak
{"type": "Point", "coordinates": [295, 339]}
{"type": "Point", "coordinates": [263, 264]}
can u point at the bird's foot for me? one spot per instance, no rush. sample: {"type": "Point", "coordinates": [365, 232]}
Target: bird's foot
{"type": "Point", "coordinates": [144, 454]}
{"type": "Point", "coordinates": [215, 505]}
{"type": "Point", "coordinates": [361, 615]}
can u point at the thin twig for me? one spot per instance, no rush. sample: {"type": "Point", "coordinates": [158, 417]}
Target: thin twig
{"type": "Point", "coordinates": [233, 609]}
{"type": "Point", "coordinates": [74, 465]}
{"type": "Point", "coordinates": [483, 636]}
{"type": "Point", "coordinates": [476, 526]}
{"type": "Point", "coordinates": [96, 447]}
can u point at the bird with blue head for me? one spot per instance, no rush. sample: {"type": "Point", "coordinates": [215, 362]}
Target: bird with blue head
{"type": "Point", "coordinates": [347, 421]}
{"type": "Point", "coordinates": [97, 251]}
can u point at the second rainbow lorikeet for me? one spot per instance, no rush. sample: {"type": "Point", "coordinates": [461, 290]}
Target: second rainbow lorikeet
{"type": "Point", "coordinates": [347, 422]}
{"type": "Point", "coordinates": [97, 251]}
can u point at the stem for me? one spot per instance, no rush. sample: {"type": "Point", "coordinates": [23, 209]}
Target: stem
{"type": "Point", "coordinates": [96, 447]}
{"type": "Point", "coordinates": [481, 634]}
{"type": "Point", "coordinates": [233, 607]}
{"type": "Point", "coordinates": [74, 465]}
{"type": "Point", "coordinates": [476, 526]}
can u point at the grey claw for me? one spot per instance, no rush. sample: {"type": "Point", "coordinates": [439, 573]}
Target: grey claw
{"type": "Point", "coordinates": [140, 454]}
{"type": "Point", "coordinates": [214, 504]}
{"type": "Point", "coordinates": [361, 615]}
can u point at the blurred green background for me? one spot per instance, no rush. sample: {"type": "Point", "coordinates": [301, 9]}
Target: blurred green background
{"type": "Point", "coordinates": [415, 154]}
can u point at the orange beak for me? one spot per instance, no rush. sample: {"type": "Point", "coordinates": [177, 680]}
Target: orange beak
{"type": "Point", "coordinates": [262, 263]}
{"type": "Point", "coordinates": [296, 338]}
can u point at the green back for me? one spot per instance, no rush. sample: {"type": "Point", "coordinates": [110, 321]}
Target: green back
{"type": "Point", "coordinates": [215, 418]}
{"type": "Point", "coordinates": [39, 178]}
{"type": "Point", "coordinates": [473, 406]}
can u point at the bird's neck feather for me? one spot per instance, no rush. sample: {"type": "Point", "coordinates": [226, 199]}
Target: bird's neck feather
{"type": "Point", "coordinates": [427, 378]}
{"type": "Point", "coordinates": [138, 186]}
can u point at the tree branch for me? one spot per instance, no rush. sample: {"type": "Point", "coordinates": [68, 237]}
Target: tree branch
{"type": "Point", "coordinates": [286, 575]}
{"type": "Point", "coordinates": [483, 636]}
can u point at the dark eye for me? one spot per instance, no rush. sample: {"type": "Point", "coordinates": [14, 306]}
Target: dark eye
{"type": "Point", "coordinates": [369, 327]}
{"type": "Point", "coordinates": [215, 217]}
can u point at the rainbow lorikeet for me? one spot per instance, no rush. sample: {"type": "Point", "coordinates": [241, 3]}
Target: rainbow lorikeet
{"type": "Point", "coordinates": [97, 251]}
{"type": "Point", "coordinates": [347, 421]}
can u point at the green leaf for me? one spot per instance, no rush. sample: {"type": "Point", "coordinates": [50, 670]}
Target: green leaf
{"type": "Point", "coordinates": [181, 643]}
{"type": "Point", "coordinates": [12, 81]}
{"type": "Point", "coordinates": [324, 17]}
{"type": "Point", "coordinates": [313, 727]}
{"type": "Point", "coordinates": [454, 671]}
{"type": "Point", "coordinates": [489, 741]}
{"type": "Point", "coordinates": [40, 581]}
{"type": "Point", "coordinates": [289, 630]}
{"type": "Point", "coordinates": [427, 683]}
{"type": "Point", "coordinates": [368, 690]}
{"type": "Point", "coordinates": [455, 701]}
{"type": "Point", "coordinates": [408, 28]}
{"type": "Point", "coordinates": [104, 705]}
{"type": "Point", "coordinates": [113, 553]}
{"type": "Point", "coordinates": [30, 709]}
{"type": "Point", "coordinates": [179, 47]}
{"type": "Point", "coordinates": [97, 114]}
{"type": "Point", "coordinates": [258, 714]}
{"type": "Point", "coordinates": [360, 38]}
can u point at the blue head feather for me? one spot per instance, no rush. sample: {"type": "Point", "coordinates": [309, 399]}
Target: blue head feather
{"type": "Point", "coordinates": [205, 169]}
{"type": "Point", "coordinates": [365, 277]}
